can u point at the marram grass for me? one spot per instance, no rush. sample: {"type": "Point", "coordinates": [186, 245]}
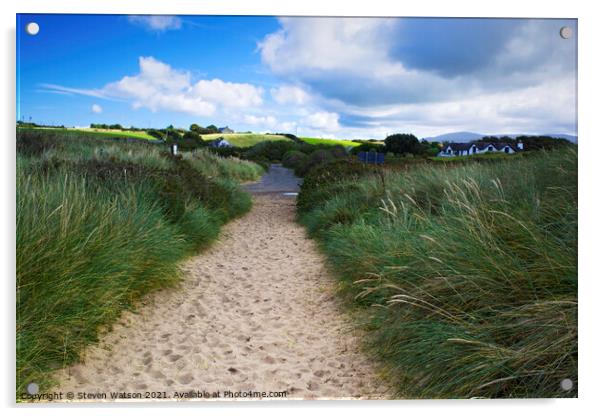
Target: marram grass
{"type": "Point", "coordinates": [100, 224]}
{"type": "Point", "coordinates": [466, 275]}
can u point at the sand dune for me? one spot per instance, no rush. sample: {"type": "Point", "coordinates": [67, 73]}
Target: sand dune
{"type": "Point", "coordinates": [257, 312]}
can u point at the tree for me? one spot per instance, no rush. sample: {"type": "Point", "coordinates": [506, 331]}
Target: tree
{"type": "Point", "coordinates": [495, 139]}
{"type": "Point", "coordinates": [155, 133]}
{"type": "Point", "coordinates": [542, 142]}
{"type": "Point", "coordinates": [190, 140]}
{"type": "Point", "coordinates": [402, 143]}
{"type": "Point", "coordinates": [172, 135]}
{"type": "Point", "coordinates": [213, 128]}
{"type": "Point", "coordinates": [429, 148]}
{"type": "Point", "coordinates": [367, 147]}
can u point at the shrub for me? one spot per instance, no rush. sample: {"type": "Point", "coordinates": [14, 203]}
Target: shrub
{"type": "Point", "coordinates": [269, 150]}
{"type": "Point", "coordinates": [318, 157]}
{"type": "Point", "coordinates": [402, 143]}
{"type": "Point", "coordinates": [367, 147]}
{"type": "Point", "coordinates": [293, 159]}
{"type": "Point", "coordinates": [190, 140]}
{"type": "Point", "coordinates": [214, 166]}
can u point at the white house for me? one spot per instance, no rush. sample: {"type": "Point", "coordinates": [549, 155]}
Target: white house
{"type": "Point", "coordinates": [220, 142]}
{"type": "Point", "coordinates": [469, 149]}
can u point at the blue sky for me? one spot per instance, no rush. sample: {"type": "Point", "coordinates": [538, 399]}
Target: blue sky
{"type": "Point", "coordinates": [326, 77]}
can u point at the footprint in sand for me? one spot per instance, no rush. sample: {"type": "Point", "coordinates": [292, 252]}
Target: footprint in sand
{"type": "Point", "coordinates": [185, 378]}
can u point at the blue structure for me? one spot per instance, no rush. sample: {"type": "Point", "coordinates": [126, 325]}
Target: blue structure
{"type": "Point", "coordinates": [372, 157]}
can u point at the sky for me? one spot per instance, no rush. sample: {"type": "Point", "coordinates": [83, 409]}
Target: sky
{"type": "Point", "coordinates": [348, 78]}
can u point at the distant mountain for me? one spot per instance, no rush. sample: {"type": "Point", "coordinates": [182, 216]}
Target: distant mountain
{"type": "Point", "coordinates": [467, 136]}
{"type": "Point", "coordinates": [457, 136]}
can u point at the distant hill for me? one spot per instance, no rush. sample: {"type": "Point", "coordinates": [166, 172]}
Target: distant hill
{"type": "Point", "coordinates": [244, 139]}
{"type": "Point", "coordinates": [467, 136]}
{"type": "Point", "coordinates": [331, 142]}
{"type": "Point", "coordinates": [457, 136]}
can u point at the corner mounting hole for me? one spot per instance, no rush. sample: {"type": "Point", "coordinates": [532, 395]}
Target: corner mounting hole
{"type": "Point", "coordinates": [566, 32]}
{"type": "Point", "coordinates": [33, 388]}
{"type": "Point", "coordinates": [566, 384]}
{"type": "Point", "coordinates": [32, 28]}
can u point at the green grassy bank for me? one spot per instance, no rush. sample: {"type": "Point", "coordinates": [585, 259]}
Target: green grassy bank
{"type": "Point", "coordinates": [329, 142]}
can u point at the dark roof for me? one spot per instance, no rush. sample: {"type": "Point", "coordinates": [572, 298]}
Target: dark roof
{"type": "Point", "coordinates": [481, 146]}
{"type": "Point", "coordinates": [460, 146]}
{"type": "Point", "coordinates": [498, 146]}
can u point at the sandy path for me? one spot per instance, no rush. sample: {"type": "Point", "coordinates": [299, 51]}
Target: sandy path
{"type": "Point", "coordinates": [256, 312]}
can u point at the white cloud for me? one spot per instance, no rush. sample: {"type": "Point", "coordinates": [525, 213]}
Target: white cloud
{"type": "Point", "coordinates": [96, 109]}
{"type": "Point", "coordinates": [263, 121]}
{"type": "Point", "coordinates": [59, 89]}
{"type": "Point", "coordinates": [158, 86]}
{"type": "Point", "coordinates": [322, 120]}
{"type": "Point", "coordinates": [386, 75]}
{"type": "Point", "coordinates": [349, 60]}
{"type": "Point", "coordinates": [309, 44]}
{"type": "Point", "coordinates": [229, 94]}
{"type": "Point", "coordinates": [288, 127]}
{"type": "Point", "coordinates": [289, 94]}
{"type": "Point", "coordinates": [157, 23]}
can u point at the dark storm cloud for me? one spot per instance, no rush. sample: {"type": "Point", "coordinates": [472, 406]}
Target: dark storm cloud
{"type": "Point", "coordinates": [451, 47]}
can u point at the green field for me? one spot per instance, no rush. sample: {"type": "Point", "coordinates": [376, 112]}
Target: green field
{"type": "Point", "coordinates": [244, 139]}
{"type": "Point", "coordinates": [235, 139]}
{"type": "Point", "coordinates": [333, 142]}
{"type": "Point", "coordinates": [94, 132]}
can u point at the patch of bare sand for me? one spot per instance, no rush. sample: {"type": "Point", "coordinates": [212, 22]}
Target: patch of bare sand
{"type": "Point", "coordinates": [255, 312]}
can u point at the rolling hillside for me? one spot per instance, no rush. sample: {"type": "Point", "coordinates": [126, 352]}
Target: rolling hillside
{"type": "Point", "coordinates": [333, 142]}
{"type": "Point", "coordinates": [101, 133]}
{"type": "Point", "coordinates": [244, 139]}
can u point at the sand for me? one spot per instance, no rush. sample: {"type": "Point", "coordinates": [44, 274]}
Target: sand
{"type": "Point", "coordinates": [256, 312]}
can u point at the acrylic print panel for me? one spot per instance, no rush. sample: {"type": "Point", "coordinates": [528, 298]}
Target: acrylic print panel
{"type": "Point", "coordinates": [276, 208]}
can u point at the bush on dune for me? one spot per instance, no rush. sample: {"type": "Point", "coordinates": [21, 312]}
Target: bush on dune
{"type": "Point", "coordinates": [317, 157]}
{"type": "Point", "coordinates": [299, 156]}
{"type": "Point", "coordinates": [270, 150]}
{"type": "Point", "coordinates": [214, 166]}
{"type": "Point", "coordinates": [293, 158]}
